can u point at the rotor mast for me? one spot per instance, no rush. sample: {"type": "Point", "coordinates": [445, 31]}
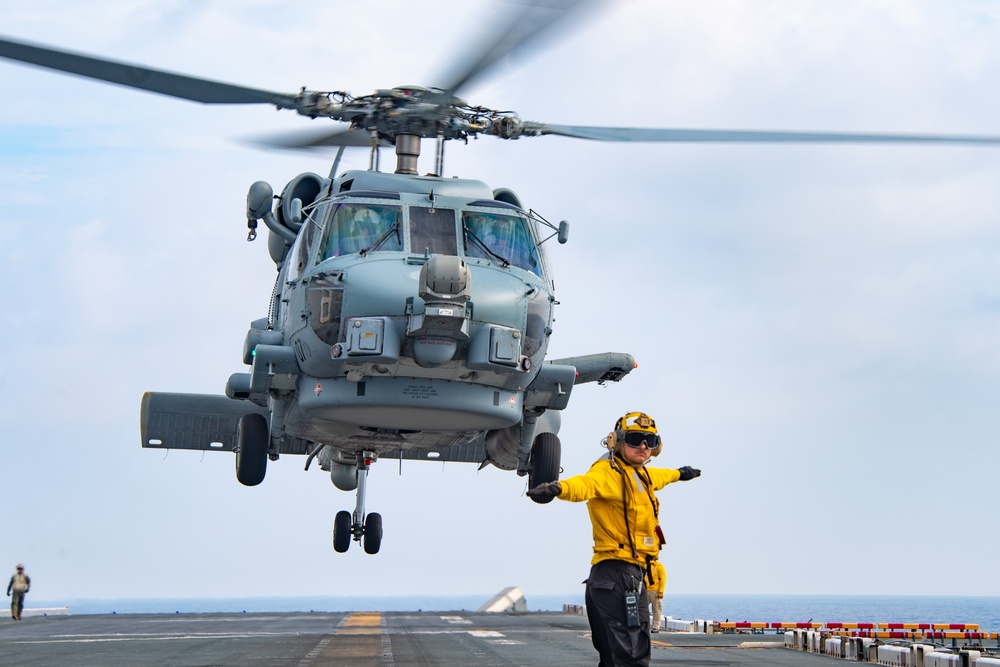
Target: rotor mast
{"type": "Point", "coordinates": [407, 152]}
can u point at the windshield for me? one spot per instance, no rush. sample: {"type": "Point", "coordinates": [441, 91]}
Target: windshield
{"type": "Point", "coordinates": [432, 231]}
{"type": "Point", "coordinates": [500, 237]}
{"type": "Point", "coordinates": [352, 228]}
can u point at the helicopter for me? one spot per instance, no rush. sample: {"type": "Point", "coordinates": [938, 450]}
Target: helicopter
{"type": "Point", "coordinates": [411, 314]}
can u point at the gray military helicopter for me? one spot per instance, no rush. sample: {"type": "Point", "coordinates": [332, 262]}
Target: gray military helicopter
{"type": "Point", "coordinates": [411, 314]}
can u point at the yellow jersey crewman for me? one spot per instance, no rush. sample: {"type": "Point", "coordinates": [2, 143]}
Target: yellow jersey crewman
{"type": "Point", "coordinates": [620, 494]}
{"type": "Point", "coordinates": [656, 590]}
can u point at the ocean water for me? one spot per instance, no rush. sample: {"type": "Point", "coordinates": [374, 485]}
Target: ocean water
{"type": "Point", "coordinates": [787, 608]}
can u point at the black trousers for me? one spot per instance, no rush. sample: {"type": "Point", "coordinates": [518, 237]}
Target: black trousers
{"type": "Point", "coordinates": [618, 644]}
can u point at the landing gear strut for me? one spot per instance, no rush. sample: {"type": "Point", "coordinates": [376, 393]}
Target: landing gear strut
{"type": "Point", "coordinates": [359, 527]}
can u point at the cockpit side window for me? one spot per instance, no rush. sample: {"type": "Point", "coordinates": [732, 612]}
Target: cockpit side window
{"type": "Point", "coordinates": [496, 237]}
{"type": "Point", "coordinates": [351, 228]}
{"type": "Point", "coordinates": [432, 230]}
{"type": "Point", "coordinates": [298, 255]}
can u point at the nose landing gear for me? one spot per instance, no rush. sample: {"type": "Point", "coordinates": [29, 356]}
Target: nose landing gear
{"type": "Point", "coordinates": [359, 527]}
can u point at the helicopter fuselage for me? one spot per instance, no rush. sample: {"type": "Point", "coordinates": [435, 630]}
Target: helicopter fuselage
{"type": "Point", "coordinates": [410, 312]}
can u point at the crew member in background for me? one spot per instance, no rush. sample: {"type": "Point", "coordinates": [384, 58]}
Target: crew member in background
{"type": "Point", "coordinates": [620, 494]}
{"type": "Point", "coordinates": [19, 584]}
{"type": "Point", "coordinates": [656, 595]}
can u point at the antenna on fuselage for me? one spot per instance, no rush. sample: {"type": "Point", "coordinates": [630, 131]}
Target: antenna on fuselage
{"type": "Point", "coordinates": [336, 162]}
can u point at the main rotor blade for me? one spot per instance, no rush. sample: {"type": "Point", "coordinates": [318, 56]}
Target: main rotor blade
{"type": "Point", "coordinates": [314, 139]}
{"type": "Point", "coordinates": [521, 27]}
{"type": "Point", "coordinates": [638, 134]}
{"type": "Point", "coordinates": [144, 78]}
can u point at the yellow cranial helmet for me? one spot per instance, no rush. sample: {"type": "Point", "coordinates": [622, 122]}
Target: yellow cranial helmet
{"type": "Point", "coordinates": [637, 428]}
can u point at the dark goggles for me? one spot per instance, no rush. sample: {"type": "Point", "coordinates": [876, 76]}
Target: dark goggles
{"type": "Point", "coordinates": [640, 439]}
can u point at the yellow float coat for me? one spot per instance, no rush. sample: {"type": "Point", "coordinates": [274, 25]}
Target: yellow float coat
{"type": "Point", "coordinates": [601, 488]}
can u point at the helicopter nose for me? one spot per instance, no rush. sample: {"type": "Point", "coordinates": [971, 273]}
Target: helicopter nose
{"type": "Point", "coordinates": [445, 287]}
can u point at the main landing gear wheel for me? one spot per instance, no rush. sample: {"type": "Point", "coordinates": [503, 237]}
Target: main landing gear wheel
{"type": "Point", "coordinates": [342, 531]}
{"type": "Point", "coordinates": [373, 533]}
{"type": "Point", "coordinates": [545, 455]}
{"type": "Point", "coordinates": [360, 527]}
{"type": "Point", "coordinates": [251, 449]}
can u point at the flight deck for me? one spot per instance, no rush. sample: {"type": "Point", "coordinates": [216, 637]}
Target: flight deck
{"type": "Point", "coordinates": [364, 639]}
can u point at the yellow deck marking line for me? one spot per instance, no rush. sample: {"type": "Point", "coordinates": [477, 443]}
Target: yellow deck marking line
{"type": "Point", "coordinates": [359, 643]}
{"type": "Point", "coordinates": [362, 620]}
{"type": "Point", "coordinates": [366, 623]}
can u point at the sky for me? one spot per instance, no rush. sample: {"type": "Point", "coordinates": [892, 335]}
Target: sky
{"type": "Point", "coordinates": [817, 327]}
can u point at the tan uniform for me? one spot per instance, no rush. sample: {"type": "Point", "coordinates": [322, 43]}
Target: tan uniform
{"type": "Point", "coordinates": [19, 584]}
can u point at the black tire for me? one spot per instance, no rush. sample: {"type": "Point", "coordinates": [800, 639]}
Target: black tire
{"type": "Point", "coordinates": [373, 533]}
{"type": "Point", "coordinates": [342, 531]}
{"type": "Point", "coordinates": [252, 439]}
{"type": "Point", "coordinates": [546, 453]}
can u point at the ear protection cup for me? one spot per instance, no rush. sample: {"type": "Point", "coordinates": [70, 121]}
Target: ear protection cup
{"type": "Point", "coordinates": [615, 437]}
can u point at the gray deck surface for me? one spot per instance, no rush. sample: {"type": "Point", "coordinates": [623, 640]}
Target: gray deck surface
{"type": "Point", "coordinates": [392, 639]}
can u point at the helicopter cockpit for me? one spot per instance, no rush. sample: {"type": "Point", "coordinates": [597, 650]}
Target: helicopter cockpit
{"type": "Point", "coordinates": [360, 228]}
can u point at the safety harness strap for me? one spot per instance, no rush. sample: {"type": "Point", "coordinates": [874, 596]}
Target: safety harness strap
{"type": "Point", "coordinates": [628, 529]}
